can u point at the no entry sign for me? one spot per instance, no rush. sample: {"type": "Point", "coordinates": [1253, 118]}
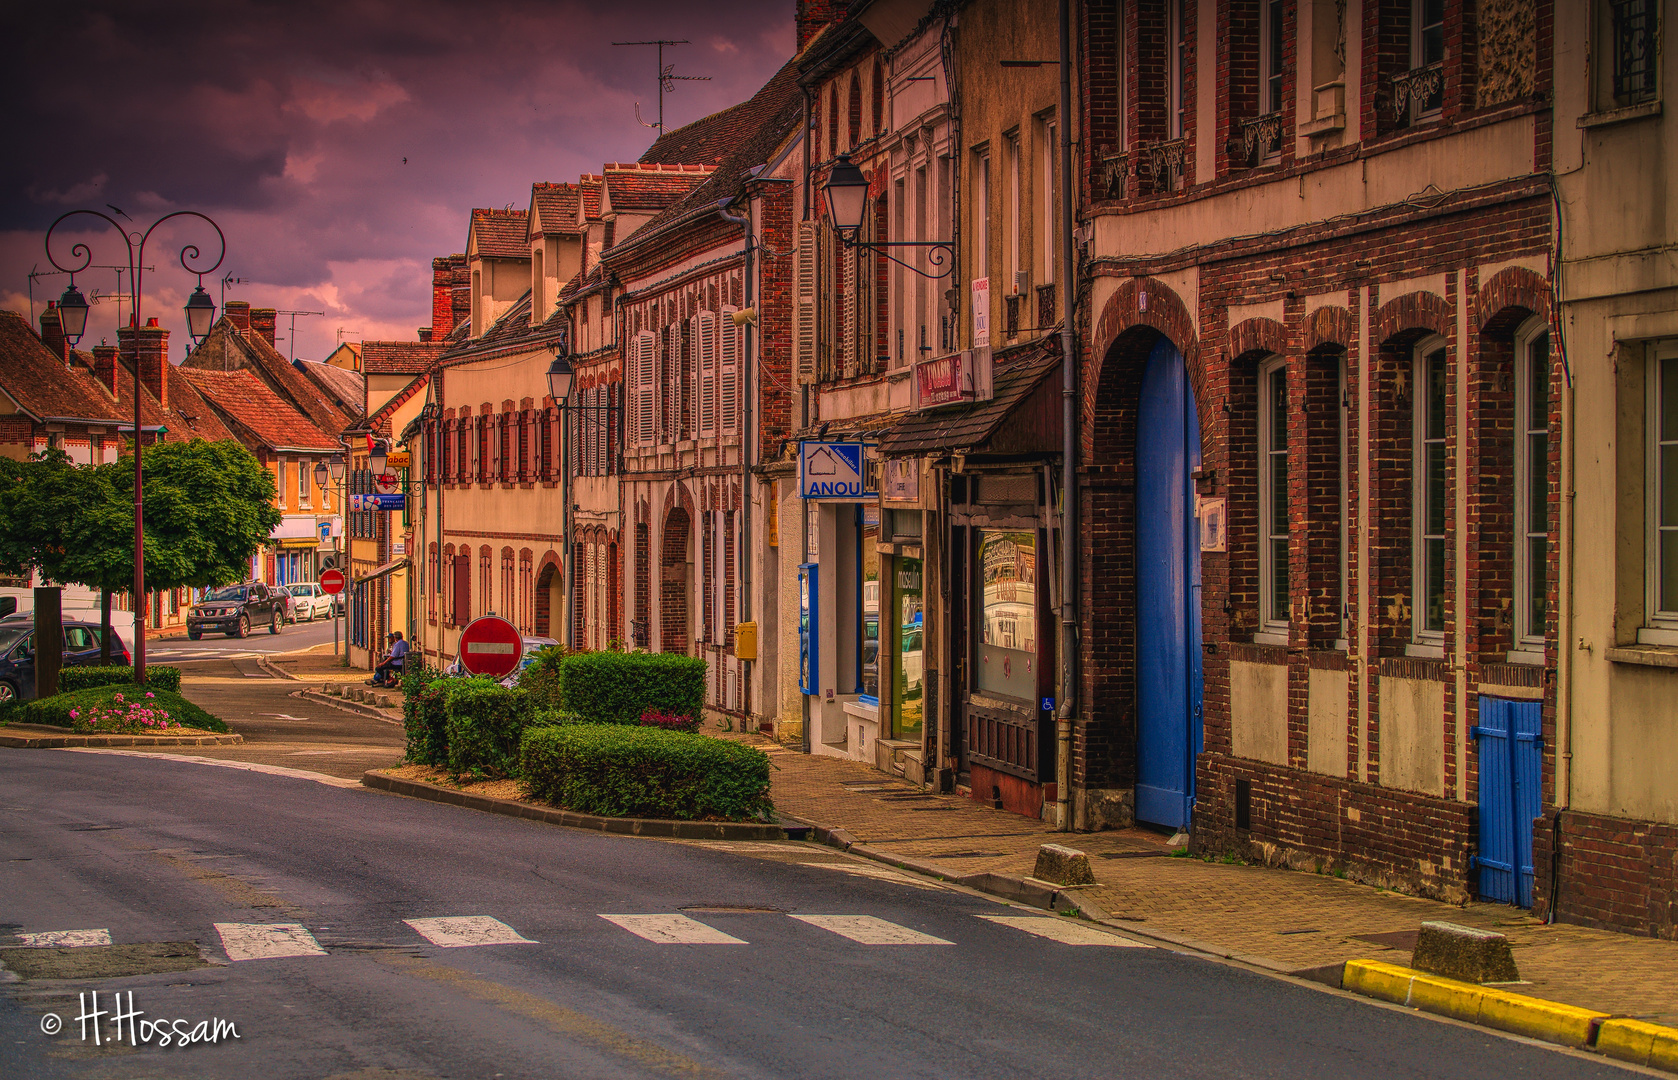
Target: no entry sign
{"type": "Point", "coordinates": [332, 582]}
{"type": "Point", "coordinates": [490, 645]}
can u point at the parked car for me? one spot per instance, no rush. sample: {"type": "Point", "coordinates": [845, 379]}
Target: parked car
{"type": "Point", "coordinates": [234, 609]}
{"type": "Point", "coordinates": [309, 601]}
{"type": "Point", "coordinates": [17, 652]}
{"type": "Point", "coordinates": [532, 645]}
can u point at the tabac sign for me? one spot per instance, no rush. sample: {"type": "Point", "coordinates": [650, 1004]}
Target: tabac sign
{"type": "Point", "coordinates": [832, 471]}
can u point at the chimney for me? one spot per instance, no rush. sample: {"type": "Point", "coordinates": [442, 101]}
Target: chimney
{"type": "Point", "coordinates": [238, 312]}
{"type": "Point", "coordinates": [262, 322]}
{"type": "Point", "coordinates": [105, 365]}
{"type": "Point", "coordinates": [425, 335]}
{"type": "Point", "coordinates": [52, 332]}
{"type": "Point", "coordinates": [811, 16]}
{"type": "Point", "coordinates": [153, 353]}
{"type": "Point", "coordinates": [442, 291]}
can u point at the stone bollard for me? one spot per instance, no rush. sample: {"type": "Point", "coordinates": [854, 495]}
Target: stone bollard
{"type": "Point", "coordinates": [1463, 953]}
{"type": "Point", "coordinates": [1063, 866]}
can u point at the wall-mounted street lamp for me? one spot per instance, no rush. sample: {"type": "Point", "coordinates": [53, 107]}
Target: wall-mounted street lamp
{"type": "Point", "coordinates": [562, 378]}
{"type": "Point", "coordinates": [846, 191]}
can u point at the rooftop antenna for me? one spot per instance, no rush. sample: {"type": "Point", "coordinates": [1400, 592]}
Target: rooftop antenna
{"type": "Point", "coordinates": [665, 78]}
{"type": "Point", "coordinates": [228, 279]}
{"type": "Point", "coordinates": [291, 335]}
{"type": "Point", "coordinates": [342, 333]}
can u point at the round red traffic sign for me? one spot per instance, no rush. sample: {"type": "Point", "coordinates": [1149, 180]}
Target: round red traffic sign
{"type": "Point", "coordinates": [490, 645]}
{"type": "Point", "coordinates": [332, 582]}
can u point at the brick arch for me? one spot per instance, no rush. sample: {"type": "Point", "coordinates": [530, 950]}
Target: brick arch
{"type": "Point", "coordinates": [1419, 310]}
{"type": "Point", "coordinates": [507, 552]}
{"type": "Point", "coordinates": [1509, 298]}
{"type": "Point", "coordinates": [1165, 312]}
{"type": "Point", "coordinates": [549, 558]}
{"type": "Point", "coordinates": [674, 538]}
{"type": "Point", "coordinates": [1332, 325]}
{"type": "Point", "coordinates": [1258, 335]}
{"type": "Point", "coordinates": [673, 493]}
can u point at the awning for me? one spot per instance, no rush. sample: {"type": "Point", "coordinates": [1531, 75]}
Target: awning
{"type": "Point", "coordinates": [383, 571]}
{"type": "Point", "coordinates": [1023, 416]}
{"type": "Point", "coordinates": [301, 542]}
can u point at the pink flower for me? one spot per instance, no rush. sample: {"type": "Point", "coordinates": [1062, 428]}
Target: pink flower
{"type": "Point", "coordinates": [150, 694]}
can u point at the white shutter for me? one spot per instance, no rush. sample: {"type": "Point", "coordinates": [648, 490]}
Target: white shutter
{"type": "Point", "coordinates": [645, 381]}
{"type": "Point", "coordinates": [729, 380]}
{"type": "Point", "coordinates": [705, 334]}
{"type": "Point", "coordinates": [804, 304]}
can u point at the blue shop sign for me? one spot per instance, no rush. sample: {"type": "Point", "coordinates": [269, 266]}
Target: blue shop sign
{"type": "Point", "coordinates": [833, 471]}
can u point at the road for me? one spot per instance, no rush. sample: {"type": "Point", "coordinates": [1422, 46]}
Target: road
{"type": "Point", "coordinates": [304, 635]}
{"type": "Point", "coordinates": [298, 911]}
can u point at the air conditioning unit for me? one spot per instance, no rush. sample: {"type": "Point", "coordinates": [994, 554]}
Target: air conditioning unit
{"type": "Point", "coordinates": [1022, 282]}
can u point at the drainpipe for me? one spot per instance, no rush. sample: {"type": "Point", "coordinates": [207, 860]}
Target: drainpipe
{"type": "Point", "coordinates": [1567, 643]}
{"type": "Point", "coordinates": [1069, 445]}
{"type": "Point", "coordinates": [745, 554]}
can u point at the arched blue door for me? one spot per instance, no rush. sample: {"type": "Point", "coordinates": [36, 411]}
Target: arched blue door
{"type": "Point", "coordinates": [1167, 591]}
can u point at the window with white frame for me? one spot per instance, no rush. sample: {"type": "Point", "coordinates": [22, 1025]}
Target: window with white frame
{"type": "Point", "coordinates": [1532, 486]}
{"type": "Point", "coordinates": [1046, 200]}
{"type": "Point", "coordinates": [643, 372]}
{"type": "Point", "coordinates": [1273, 502]}
{"type": "Point", "coordinates": [1661, 605]}
{"type": "Point", "coordinates": [981, 215]}
{"type": "Point", "coordinates": [303, 499]}
{"type": "Point", "coordinates": [1272, 67]}
{"type": "Point", "coordinates": [1427, 50]}
{"type": "Point", "coordinates": [1430, 521]}
{"type": "Point", "coordinates": [1176, 63]}
{"type": "Point", "coordinates": [725, 345]}
{"type": "Point", "coordinates": [1013, 210]}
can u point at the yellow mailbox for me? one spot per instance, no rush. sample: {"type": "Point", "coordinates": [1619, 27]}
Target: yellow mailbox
{"type": "Point", "coordinates": [745, 641]}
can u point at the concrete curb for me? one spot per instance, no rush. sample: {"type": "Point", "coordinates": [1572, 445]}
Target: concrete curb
{"type": "Point", "coordinates": [349, 705]}
{"type": "Point", "coordinates": [1639, 1043]}
{"type": "Point", "coordinates": [274, 672]}
{"type": "Point", "coordinates": [56, 742]}
{"type": "Point", "coordinates": [674, 830]}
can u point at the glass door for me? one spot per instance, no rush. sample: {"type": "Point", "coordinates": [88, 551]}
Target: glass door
{"type": "Point", "coordinates": [908, 685]}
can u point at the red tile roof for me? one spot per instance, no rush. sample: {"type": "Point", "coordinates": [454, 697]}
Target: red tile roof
{"type": "Point", "coordinates": [704, 142]}
{"type": "Point", "coordinates": [399, 357]}
{"type": "Point", "coordinates": [500, 234]}
{"type": "Point", "coordinates": [554, 209]}
{"type": "Point", "coordinates": [589, 186]}
{"type": "Point", "coordinates": [258, 413]}
{"type": "Point", "coordinates": [649, 188]}
{"type": "Point", "coordinates": [43, 385]}
{"type": "Point", "coordinates": [348, 389]}
{"type": "Point", "coordinates": [227, 349]}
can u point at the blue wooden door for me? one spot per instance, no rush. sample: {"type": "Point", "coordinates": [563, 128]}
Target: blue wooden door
{"type": "Point", "coordinates": [1511, 796]}
{"type": "Point", "coordinates": [1167, 592]}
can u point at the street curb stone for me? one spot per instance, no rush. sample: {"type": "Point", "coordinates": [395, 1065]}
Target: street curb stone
{"type": "Point", "coordinates": [274, 672]}
{"type": "Point", "coordinates": [55, 742]}
{"type": "Point", "coordinates": [351, 705]}
{"type": "Point", "coordinates": [674, 830]}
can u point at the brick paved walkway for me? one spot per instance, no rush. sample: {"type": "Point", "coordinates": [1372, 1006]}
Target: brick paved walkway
{"type": "Point", "coordinates": [1284, 919]}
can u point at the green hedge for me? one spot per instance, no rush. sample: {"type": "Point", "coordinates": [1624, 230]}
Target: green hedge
{"type": "Point", "coordinates": [484, 722]}
{"type": "Point", "coordinates": [544, 679]}
{"type": "Point", "coordinates": [616, 688]}
{"type": "Point", "coordinates": [424, 691]}
{"type": "Point", "coordinates": [158, 677]}
{"type": "Point", "coordinates": [621, 771]}
{"type": "Point", "coordinates": [55, 710]}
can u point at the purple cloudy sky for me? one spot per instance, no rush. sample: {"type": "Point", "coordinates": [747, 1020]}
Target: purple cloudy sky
{"type": "Point", "coordinates": [288, 123]}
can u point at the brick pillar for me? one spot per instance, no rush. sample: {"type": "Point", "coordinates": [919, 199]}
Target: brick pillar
{"type": "Point", "coordinates": [52, 332]}
{"type": "Point", "coordinates": [105, 365]}
{"type": "Point", "coordinates": [153, 353]}
{"type": "Point", "coordinates": [262, 323]}
{"type": "Point", "coordinates": [238, 312]}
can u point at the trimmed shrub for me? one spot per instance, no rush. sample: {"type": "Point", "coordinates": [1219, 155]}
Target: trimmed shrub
{"type": "Point", "coordinates": [424, 691]}
{"type": "Point", "coordinates": [669, 721]}
{"type": "Point", "coordinates": [544, 679]}
{"type": "Point", "coordinates": [158, 677]}
{"type": "Point", "coordinates": [620, 771]}
{"type": "Point", "coordinates": [616, 688]}
{"type": "Point", "coordinates": [55, 710]}
{"type": "Point", "coordinates": [485, 720]}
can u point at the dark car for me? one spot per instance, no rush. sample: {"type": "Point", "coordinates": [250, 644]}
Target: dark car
{"type": "Point", "coordinates": [17, 653]}
{"type": "Point", "coordinates": [234, 609]}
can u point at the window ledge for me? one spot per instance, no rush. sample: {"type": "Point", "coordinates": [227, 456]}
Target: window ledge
{"type": "Point", "coordinates": [1606, 117]}
{"type": "Point", "coordinates": [1646, 655]}
{"type": "Point", "coordinates": [1524, 656]}
{"type": "Point", "coordinates": [1269, 637]}
{"type": "Point", "coordinates": [1427, 652]}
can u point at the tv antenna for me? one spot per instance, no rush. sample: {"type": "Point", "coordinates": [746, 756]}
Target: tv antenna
{"type": "Point", "coordinates": [291, 335]}
{"type": "Point", "coordinates": [665, 79]}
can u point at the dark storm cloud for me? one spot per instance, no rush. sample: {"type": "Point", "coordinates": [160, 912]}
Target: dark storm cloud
{"type": "Point", "coordinates": [289, 124]}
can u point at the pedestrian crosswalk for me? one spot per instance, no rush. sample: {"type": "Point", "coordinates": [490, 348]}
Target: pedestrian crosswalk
{"type": "Point", "coordinates": [199, 654]}
{"type": "Point", "coordinates": [275, 941]}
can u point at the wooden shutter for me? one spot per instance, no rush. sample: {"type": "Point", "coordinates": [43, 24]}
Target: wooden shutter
{"type": "Point", "coordinates": [705, 333]}
{"type": "Point", "coordinates": [728, 381]}
{"type": "Point", "coordinates": [462, 589]}
{"type": "Point", "coordinates": [804, 297]}
{"type": "Point", "coordinates": [644, 387]}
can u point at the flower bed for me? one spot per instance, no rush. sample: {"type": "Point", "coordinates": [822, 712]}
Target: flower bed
{"type": "Point", "coordinates": [123, 704]}
{"type": "Point", "coordinates": [137, 716]}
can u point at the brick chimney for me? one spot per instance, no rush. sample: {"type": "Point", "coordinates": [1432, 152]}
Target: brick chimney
{"type": "Point", "coordinates": [425, 335]}
{"type": "Point", "coordinates": [153, 352]}
{"type": "Point", "coordinates": [105, 365]}
{"type": "Point", "coordinates": [238, 312]}
{"type": "Point", "coordinates": [52, 332]}
{"type": "Point", "coordinates": [442, 296]}
{"type": "Point", "coordinates": [812, 15]}
{"type": "Point", "coordinates": [262, 322]}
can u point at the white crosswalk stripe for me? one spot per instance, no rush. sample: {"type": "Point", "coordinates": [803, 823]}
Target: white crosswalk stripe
{"type": "Point", "coordinates": [878, 873]}
{"type": "Point", "coordinates": [55, 939]}
{"type": "Point", "coordinates": [673, 930]}
{"type": "Point", "coordinates": [1064, 931]}
{"type": "Point", "coordinates": [267, 941]}
{"type": "Point", "coordinates": [459, 931]}
{"type": "Point", "coordinates": [871, 930]}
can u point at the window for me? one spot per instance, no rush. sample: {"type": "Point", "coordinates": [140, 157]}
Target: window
{"type": "Point", "coordinates": [644, 376]}
{"type": "Point", "coordinates": [1343, 448]}
{"type": "Point", "coordinates": [981, 216]}
{"type": "Point", "coordinates": [1532, 455]}
{"type": "Point", "coordinates": [1273, 502]}
{"type": "Point", "coordinates": [1014, 213]}
{"type": "Point", "coordinates": [1007, 571]}
{"type": "Point", "coordinates": [1662, 456]}
{"type": "Point", "coordinates": [1429, 490]}
{"type": "Point", "coordinates": [727, 353]}
{"type": "Point", "coordinates": [1630, 31]}
{"type": "Point", "coordinates": [1272, 67]}
{"type": "Point", "coordinates": [1427, 51]}
{"type": "Point", "coordinates": [303, 483]}
{"type": "Point", "coordinates": [1046, 220]}
{"type": "Point", "coordinates": [1176, 64]}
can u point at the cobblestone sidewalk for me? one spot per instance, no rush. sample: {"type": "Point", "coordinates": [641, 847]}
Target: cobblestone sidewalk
{"type": "Point", "coordinates": [1281, 919]}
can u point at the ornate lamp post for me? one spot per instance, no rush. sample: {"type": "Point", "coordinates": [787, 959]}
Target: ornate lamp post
{"type": "Point", "coordinates": [200, 313]}
{"type": "Point", "coordinates": [846, 192]}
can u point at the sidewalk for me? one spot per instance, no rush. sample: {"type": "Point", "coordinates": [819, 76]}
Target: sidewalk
{"type": "Point", "coordinates": [1284, 920]}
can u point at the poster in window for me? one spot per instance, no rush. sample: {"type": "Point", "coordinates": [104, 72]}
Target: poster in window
{"type": "Point", "coordinates": [1007, 568]}
{"type": "Point", "coordinates": [1213, 524]}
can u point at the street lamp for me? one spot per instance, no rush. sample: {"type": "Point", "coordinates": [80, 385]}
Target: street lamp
{"type": "Point", "coordinates": [335, 468]}
{"type": "Point", "coordinates": [561, 380]}
{"type": "Point", "coordinates": [199, 313]}
{"type": "Point", "coordinates": [322, 475]}
{"type": "Point", "coordinates": [846, 192]}
{"type": "Point", "coordinates": [379, 456]}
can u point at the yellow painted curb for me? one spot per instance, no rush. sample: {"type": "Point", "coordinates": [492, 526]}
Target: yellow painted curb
{"type": "Point", "coordinates": [1529, 1016]}
{"type": "Point", "coordinates": [1639, 1043]}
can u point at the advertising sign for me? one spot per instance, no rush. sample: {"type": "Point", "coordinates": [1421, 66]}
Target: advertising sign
{"type": "Point", "coordinates": [383, 502]}
{"type": "Point", "coordinates": [399, 459]}
{"type": "Point", "coordinates": [903, 480]}
{"type": "Point", "coordinates": [386, 483]}
{"type": "Point", "coordinates": [833, 471]}
{"type": "Point", "coordinates": [809, 674]}
{"type": "Point", "coordinates": [981, 312]}
{"type": "Point", "coordinates": [944, 380]}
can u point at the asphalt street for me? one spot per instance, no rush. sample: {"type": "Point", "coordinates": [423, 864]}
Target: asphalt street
{"type": "Point", "coordinates": [291, 638]}
{"type": "Point", "coordinates": [350, 933]}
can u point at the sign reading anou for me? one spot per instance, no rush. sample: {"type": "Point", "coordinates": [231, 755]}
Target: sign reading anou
{"type": "Point", "coordinates": [832, 470]}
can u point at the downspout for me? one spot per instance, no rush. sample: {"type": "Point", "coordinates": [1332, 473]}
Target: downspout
{"type": "Point", "coordinates": [1567, 642]}
{"type": "Point", "coordinates": [745, 553]}
{"type": "Point", "coordinates": [1069, 445]}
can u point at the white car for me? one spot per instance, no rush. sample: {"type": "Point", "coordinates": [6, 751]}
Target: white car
{"type": "Point", "coordinates": [309, 601]}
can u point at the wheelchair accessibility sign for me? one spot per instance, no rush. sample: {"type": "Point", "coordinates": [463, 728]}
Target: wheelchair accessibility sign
{"type": "Point", "coordinates": [833, 470]}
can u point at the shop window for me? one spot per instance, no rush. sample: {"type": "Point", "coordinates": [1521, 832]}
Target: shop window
{"type": "Point", "coordinates": [1007, 624]}
{"type": "Point", "coordinates": [1430, 491]}
{"type": "Point", "coordinates": [909, 670]}
{"type": "Point", "coordinates": [1662, 457]}
{"type": "Point", "coordinates": [869, 551]}
{"type": "Point", "coordinates": [1273, 502]}
{"type": "Point", "coordinates": [1532, 456]}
